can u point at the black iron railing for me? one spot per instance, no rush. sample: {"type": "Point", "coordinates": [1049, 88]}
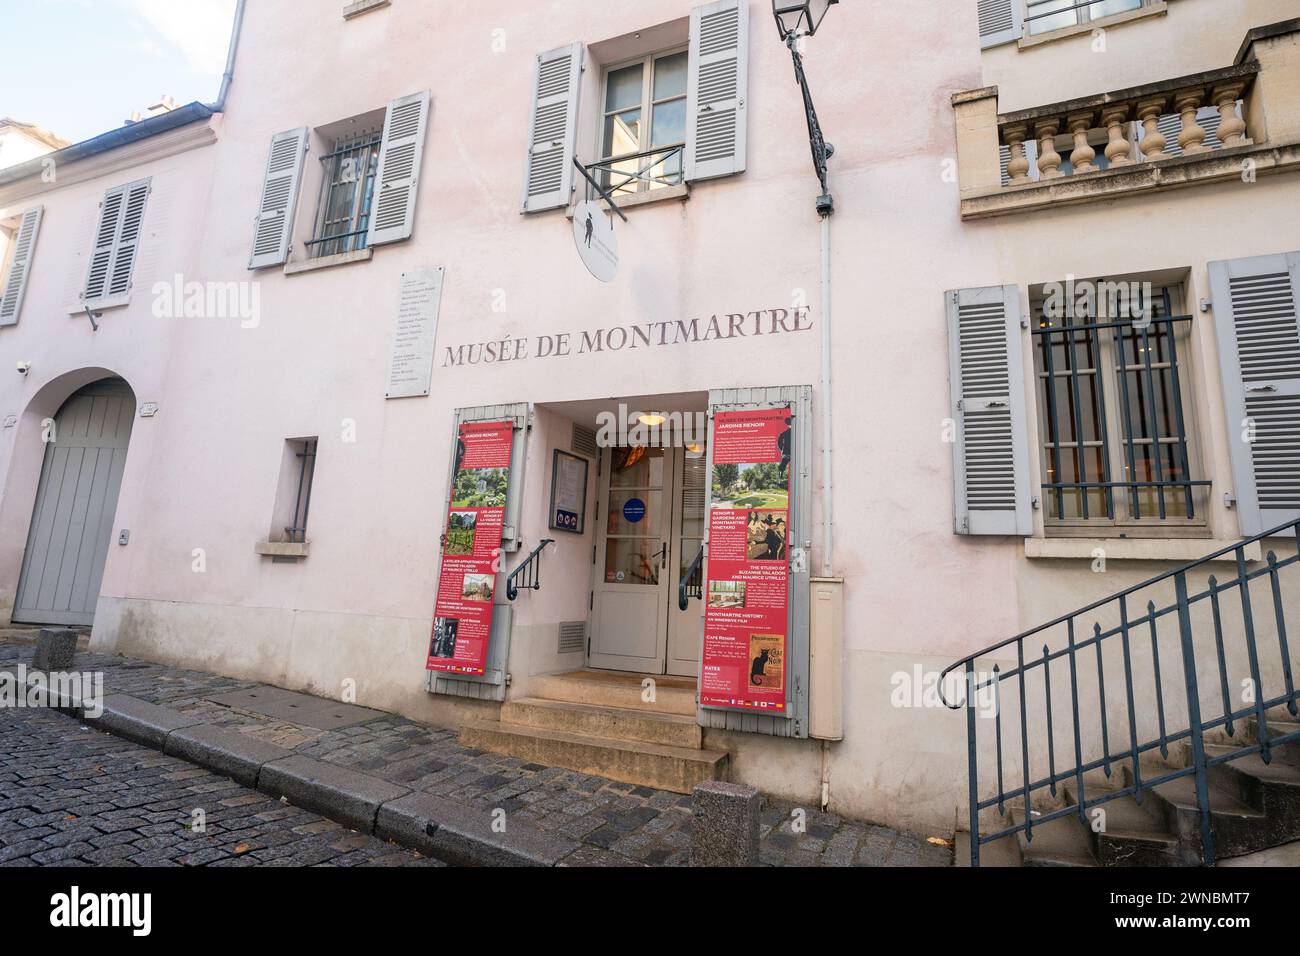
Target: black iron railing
{"type": "Point", "coordinates": [661, 166]}
{"type": "Point", "coordinates": [528, 573]}
{"type": "Point", "coordinates": [692, 583]}
{"type": "Point", "coordinates": [1202, 624]}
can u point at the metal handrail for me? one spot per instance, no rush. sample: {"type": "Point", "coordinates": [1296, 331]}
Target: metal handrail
{"type": "Point", "coordinates": [664, 153]}
{"type": "Point", "coordinates": [1129, 628]}
{"type": "Point", "coordinates": [529, 569]}
{"type": "Point", "coordinates": [692, 582]}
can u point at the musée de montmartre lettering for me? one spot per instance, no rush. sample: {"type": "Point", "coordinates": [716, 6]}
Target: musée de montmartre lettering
{"type": "Point", "coordinates": [639, 335]}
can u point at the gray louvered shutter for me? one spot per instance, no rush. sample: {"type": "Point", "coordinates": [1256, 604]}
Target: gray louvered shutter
{"type": "Point", "coordinates": [393, 216]}
{"type": "Point", "coordinates": [1255, 309]}
{"type": "Point", "coordinates": [717, 90]}
{"type": "Point", "coordinates": [14, 283]}
{"type": "Point", "coordinates": [273, 228]}
{"type": "Point", "coordinates": [553, 129]}
{"type": "Point", "coordinates": [991, 443]}
{"type": "Point", "coordinates": [1171, 126]}
{"type": "Point", "coordinates": [101, 255]}
{"type": "Point", "coordinates": [1000, 22]}
{"type": "Point", "coordinates": [117, 237]}
{"type": "Point", "coordinates": [128, 238]}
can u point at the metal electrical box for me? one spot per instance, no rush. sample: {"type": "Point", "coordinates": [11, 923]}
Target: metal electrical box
{"type": "Point", "coordinates": [826, 659]}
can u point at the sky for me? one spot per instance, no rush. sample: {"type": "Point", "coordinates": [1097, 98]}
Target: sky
{"type": "Point", "coordinates": [80, 67]}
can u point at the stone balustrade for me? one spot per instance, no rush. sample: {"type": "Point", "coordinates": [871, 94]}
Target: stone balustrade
{"type": "Point", "coordinates": [1205, 127]}
{"type": "Point", "coordinates": [1117, 115]}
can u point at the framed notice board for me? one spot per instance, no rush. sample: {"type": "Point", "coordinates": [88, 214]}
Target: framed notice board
{"type": "Point", "coordinates": [568, 493]}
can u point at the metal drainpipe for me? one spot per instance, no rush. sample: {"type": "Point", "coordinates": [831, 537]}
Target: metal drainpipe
{"type": "Point", "coordinates": [828, 511]}
{"type": "Point", "coordinates": [227, 77]}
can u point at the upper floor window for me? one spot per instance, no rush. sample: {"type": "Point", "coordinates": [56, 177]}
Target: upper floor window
{"type": "Point", "coordinates": [643, 131]}
{"type": "Point", "coordinates": [347, 190]}
{"type": "Point", "coordinates": [1044, 16]}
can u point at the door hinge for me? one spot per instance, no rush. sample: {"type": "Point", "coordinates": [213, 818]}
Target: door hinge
{"type": "Point", "coordinates": [591, 605]}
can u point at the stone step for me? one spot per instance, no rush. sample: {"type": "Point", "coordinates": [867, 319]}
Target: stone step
{"type": "Point", "coordinates": [1129, 833]}
{"type": "Point", "coordinates": [672, 695]}
{"type": "Point", "coordinates": [1273, 788]}
{"type": "Point", "coordinates": [1059, 842]}
{"type": "Point", "coordinates": [1282, 726]}
{"type": "Point", "coordinates": [1236, 826]}
{"type": "Point", "coordinates": [651, 765]}
{"type": "Point", "coordinates": [597, 720]}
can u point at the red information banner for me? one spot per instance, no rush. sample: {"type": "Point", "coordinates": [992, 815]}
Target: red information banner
{"type": "Point", "coordinates": [747, 595]}
{"type": "Point", "coordinates": [462, 621]}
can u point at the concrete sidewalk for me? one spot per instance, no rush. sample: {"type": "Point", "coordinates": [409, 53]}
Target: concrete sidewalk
{"type": "Point", "coordinates": [416, 785]}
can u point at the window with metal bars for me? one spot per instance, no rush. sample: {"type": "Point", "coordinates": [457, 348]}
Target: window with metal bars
{"type": "Point", "coordinates": [1044, 16]}
{"type": "Point", "coordinates": [1114, 411]}
{"type": "Point", "coordinates": [302, 475]}
{"type": "Point", "coordinates": [347, 188]}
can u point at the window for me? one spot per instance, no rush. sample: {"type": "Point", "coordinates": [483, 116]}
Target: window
{"type": "Point", "coordinates": [643, 126]}
{"type": "Point", "coordinates": [347, 190]}
{"type": "Point", "coordinates": [1044, 16]}
{"type": "Point", "coordinates": [293, 493]}
{"type": "Point", "coordinates": [1114, 406]}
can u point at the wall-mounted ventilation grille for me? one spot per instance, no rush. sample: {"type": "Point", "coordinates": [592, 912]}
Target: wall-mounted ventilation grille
{"type": "Point", "coordinates": [584, 441]}
{"type": "Point", "coordinates": [573, 636]}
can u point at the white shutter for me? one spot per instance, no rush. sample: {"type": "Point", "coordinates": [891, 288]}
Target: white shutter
{"type": "Point", "coordinates": [392, 216]}
{"type": "Point", "coordinates": [999, 22]}
{"type": "Point", "coordinates": [717, 90]}
{"type": "Point", "coordinates": [117, 238]}
{"type": "Point", "coordinates": [991, 444]}
{"type": "Point", "coordinates": [273, 228]}
{"type": "Point", "coordinates": [14, 283]}
{"type": "Point", "coordinates": [1255, 312]}
{"type": "Point", "coordinates": [101, 255]}
{"type": "Point", "coordinates": [128, 238]}
{"type": "Point", "coordinates": [553, 126]}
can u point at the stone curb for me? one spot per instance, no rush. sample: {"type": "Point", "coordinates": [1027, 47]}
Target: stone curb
{"type": "Point", "coordinates": [445, 829]}
{"type": "Point", "coordinates": [225, 751]}
{"type": "Point", "coordinates": [463, 835]}
{"type": "Point", "coordinates": [140, 721]}
{"type": "Point", "coordinates": [336, 792]}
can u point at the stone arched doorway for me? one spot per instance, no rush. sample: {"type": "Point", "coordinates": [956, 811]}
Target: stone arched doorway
{"type": "Point", "coordinates": [76, 500]}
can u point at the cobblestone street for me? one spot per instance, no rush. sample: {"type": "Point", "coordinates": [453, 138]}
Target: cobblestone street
{"type": "Point", "coordinates": [68, 793]}
{"type": "Point", "coordinates": [72, 796]}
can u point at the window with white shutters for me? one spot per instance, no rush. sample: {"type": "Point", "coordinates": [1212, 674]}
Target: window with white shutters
{"type": "Point", "coordinates": [117, 241]}
{"type": "Point", "coordinates": [1257, 318]}
{"type": "Point", "coordinates": [990, 438]}
{"type": "Point", "coordinates": [13, 278]}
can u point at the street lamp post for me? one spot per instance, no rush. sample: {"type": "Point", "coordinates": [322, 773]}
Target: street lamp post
{"type": "Point", "coordinates": [795, 21]}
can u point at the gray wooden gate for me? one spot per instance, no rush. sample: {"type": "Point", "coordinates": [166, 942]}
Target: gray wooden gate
{"type": "Point", "coordinates": [85, 454]}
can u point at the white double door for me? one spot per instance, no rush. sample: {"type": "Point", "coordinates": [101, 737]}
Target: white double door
{"type": "Point", "coordinates": [650, 525]}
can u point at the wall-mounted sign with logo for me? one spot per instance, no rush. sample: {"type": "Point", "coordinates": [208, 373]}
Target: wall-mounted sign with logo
{"type": "Point", "coordinates": [593, 233]}
{"type": "Point", "coordinates": [747, 596]}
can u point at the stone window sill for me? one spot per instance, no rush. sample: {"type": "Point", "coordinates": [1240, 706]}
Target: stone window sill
{"type": "Point", "coordinates": [1180, 550]}
{"type": "Point", "coordinates": [99, 305]}
{"type": "Point", "coordinates": [1220, 165]}
{"type": "Point", "coordinates": [362, 6]}
{"type": "Point", "coordinates": [328, 262]}
{"type": "Point", "coordinates": [682, 192]}
{"type": "Point", "coordinates": [283, 549]}
{"type": "Point", "coordinates": [1086, 29]}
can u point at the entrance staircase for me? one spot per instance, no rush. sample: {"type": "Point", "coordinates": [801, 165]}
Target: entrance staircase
{"type": "Point", "coordinates": [1159, 726]}
{"type": "Point", "coordinates": [1254, 806]}
{"type": "Point", "coordinates": [597, 722]}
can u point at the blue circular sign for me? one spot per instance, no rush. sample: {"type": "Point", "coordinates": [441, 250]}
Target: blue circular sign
{"type": "Point", "coordinates": [633, 510]}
